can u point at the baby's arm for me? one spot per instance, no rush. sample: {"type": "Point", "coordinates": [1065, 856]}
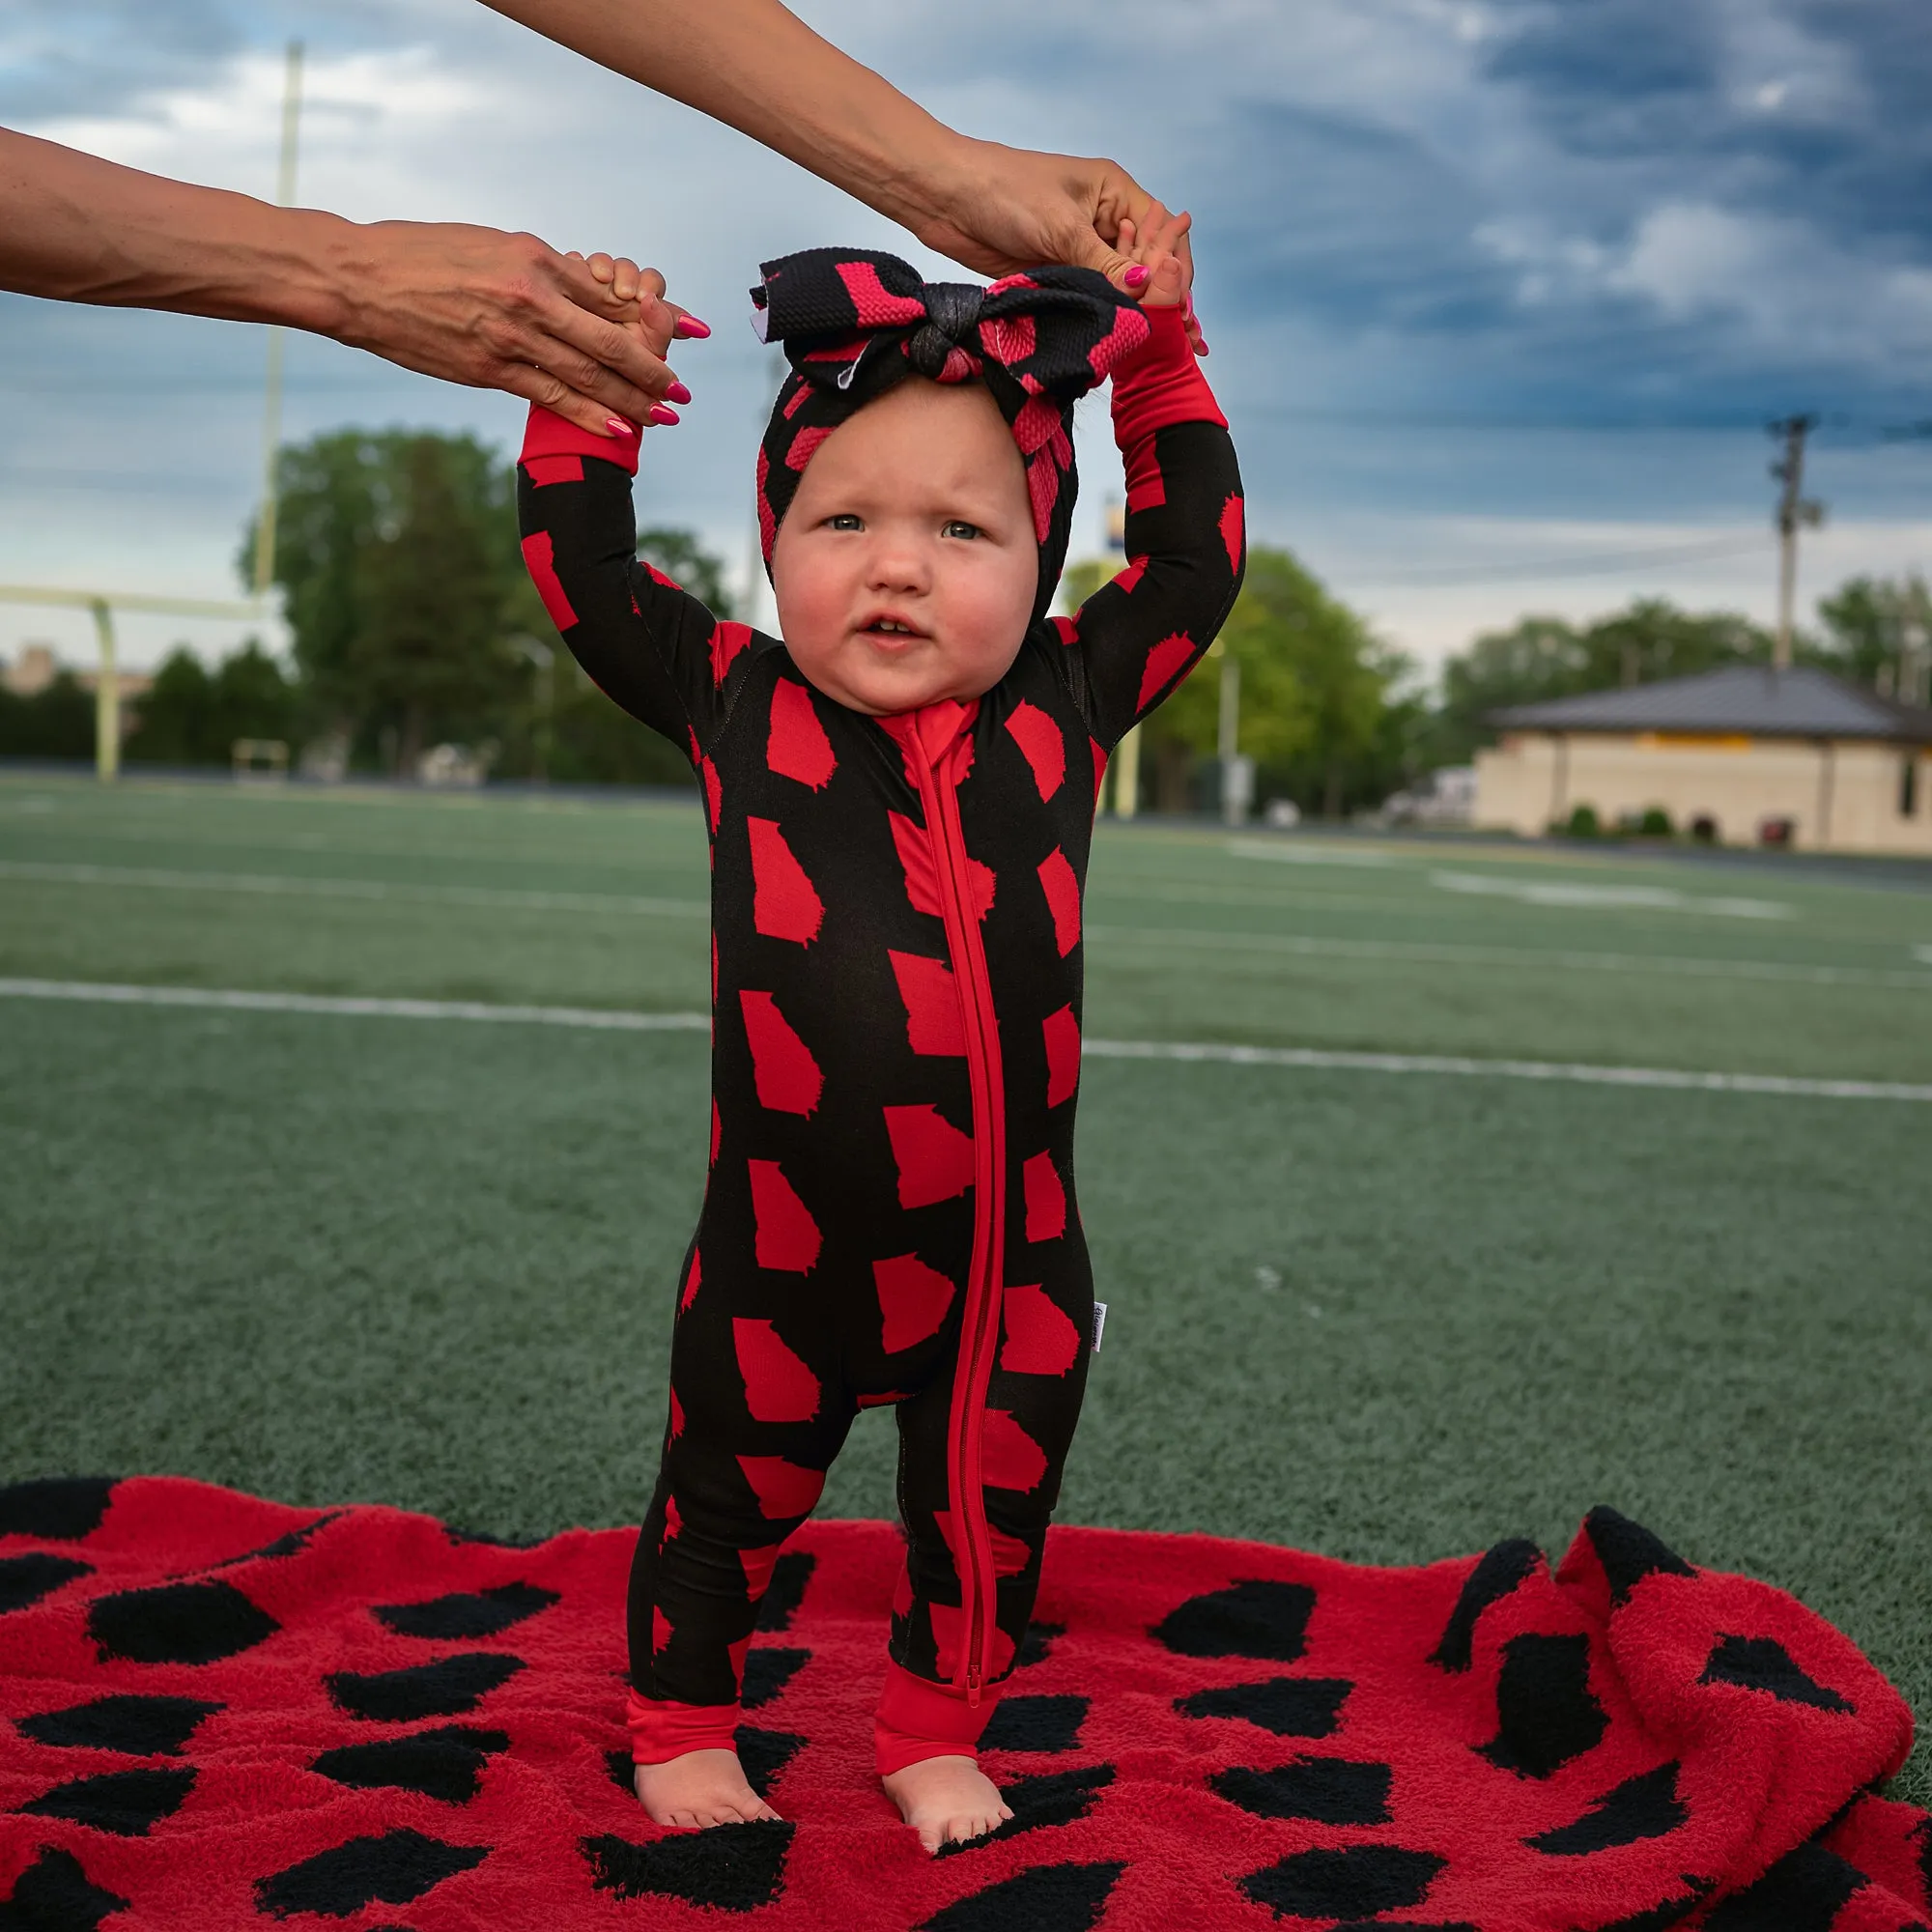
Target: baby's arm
{"type": "Point", "coordinates": [1138, 637]}
{"type": "Point", "coordinates": [647, 644]}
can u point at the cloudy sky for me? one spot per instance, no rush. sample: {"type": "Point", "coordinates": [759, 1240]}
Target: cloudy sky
{"type": "Point", "coordinates": [1501, 292]}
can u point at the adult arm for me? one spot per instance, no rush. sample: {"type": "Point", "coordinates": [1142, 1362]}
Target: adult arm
{"type": "Point", "coordinates": [759, 68]}
{"type": "Point", "coordinates": [469, 304]}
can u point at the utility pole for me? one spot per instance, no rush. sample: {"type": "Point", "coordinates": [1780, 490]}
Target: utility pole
{"type": "Point", "coordinates": [271, 414]}
{"type": "Point", "coordinates": [1794, 513]}
{"type": "Point", "coordinates": [1912, 662]}
{"type": "Point", "coordinates": [1123, 774]}
{"type": "Point", "coordinates": [1236, 772]}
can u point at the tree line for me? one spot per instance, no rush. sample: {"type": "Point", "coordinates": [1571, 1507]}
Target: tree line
{"type": "Point", "coordinates": [414, 623]}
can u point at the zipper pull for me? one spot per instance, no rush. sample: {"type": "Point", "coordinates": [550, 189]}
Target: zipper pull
{"type": "Point", "coordinates": [973, 1687]}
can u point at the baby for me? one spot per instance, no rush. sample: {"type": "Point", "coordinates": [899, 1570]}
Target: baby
{"type": "Point", "coordinates": [901, 800]}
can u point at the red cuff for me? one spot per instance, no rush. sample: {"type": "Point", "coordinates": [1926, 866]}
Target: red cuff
{"type": "Point", "coordinates": [549, 436]}
{"type": "Point", "coordinates": [661, 1730]}
{"type": "Point", "coordinates": [1161, 384]}
{"type": "Point", "coordinates": [918, 1719]}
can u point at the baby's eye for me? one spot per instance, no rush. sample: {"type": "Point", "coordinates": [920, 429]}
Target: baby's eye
{"type": "Point", "coordinates": [846, 519]}
{"type": "Point", "coordinates": [959, 527]}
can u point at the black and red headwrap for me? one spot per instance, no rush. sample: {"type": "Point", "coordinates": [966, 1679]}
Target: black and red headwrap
{"type": "Point", "coordinates": [854, 323]}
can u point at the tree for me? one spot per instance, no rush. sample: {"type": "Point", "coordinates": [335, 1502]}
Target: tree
{"type": "Point", "coordinates": [1315, 686]}
{"type": "Point", "coordinates": [1320, 681]}
{"type": "Point", "coordinates": [1869, 623]}
{"type": "Point", "coordinates": [680, 556]}
{"type": "Point", "coordinates": [588, 739]}
{"type": "Point", "coordinates": [1653, 639]}
{"type": "Point", "coordinates": [193, 718]}
{"type": "Point", "coordinates": [413, 619]}
{"type": "Point", "coordinates": [57, 721]}
{"type": "Point", "coordinates": [1540, 658]}
{"type": "Point", "coordinates": [433, 655]}
{"type": "Point", "coordinates": [397, 554]}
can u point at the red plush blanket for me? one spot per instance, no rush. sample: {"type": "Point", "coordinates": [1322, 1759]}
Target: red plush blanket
{"type": "Point", "coordinates": [223, 1713]}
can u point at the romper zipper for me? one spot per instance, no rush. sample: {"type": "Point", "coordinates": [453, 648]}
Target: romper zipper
{"type": "Point", "coordinates": [981, 1320]}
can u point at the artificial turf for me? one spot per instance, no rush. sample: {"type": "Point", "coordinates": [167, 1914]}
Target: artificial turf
{"type": "Point", "coordinates": [1386, 1317]}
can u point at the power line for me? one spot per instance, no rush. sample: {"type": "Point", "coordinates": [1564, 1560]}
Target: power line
{"type": "Point", "coordinates": [1845, 431]}
{"type": "Point", "coordinates": [1601, 564]}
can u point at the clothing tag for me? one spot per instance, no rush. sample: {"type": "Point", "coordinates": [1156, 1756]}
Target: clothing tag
{"type": "Point", "coordinates": [1099, 1323]}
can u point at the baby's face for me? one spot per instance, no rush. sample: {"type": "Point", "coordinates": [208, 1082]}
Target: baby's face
{"type": "Point", "coordinates": [906, 567]}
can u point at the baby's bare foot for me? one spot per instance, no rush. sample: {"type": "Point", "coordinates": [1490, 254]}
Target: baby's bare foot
{"type": "Point", "coordinates": [947, 1800]}
{"type": "Point", "coordinates": [700, 1788]}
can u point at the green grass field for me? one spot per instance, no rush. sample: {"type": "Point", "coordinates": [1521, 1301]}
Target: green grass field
{"type": "Point", "coordinates": [1390, 1316]}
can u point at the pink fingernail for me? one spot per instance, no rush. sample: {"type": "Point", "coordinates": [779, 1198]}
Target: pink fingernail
{"type": "Point", "coordinates": [677, 394]}
{"type": "Point", "coordinates": [689, 326]}
{"type": "Point", "coordinates": [1136, 276]}
{"type": "Point", "coordinates": [617, 426]}
{"type": "Point", "coordinates": [660, 416]}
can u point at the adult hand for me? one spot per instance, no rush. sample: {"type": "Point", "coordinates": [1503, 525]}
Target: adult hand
{"type": "Point", "coordinates": [469, 304]}
{"type": "Point", "coordinates": [508, 312]}
{"type": "Point", "coordinates": [999, 209]}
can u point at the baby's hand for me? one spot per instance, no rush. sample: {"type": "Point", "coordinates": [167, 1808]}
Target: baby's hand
{"type": "Point", "coordinates": [1158, 244]}
{"type": "Point", "coordinates": [653, 322]}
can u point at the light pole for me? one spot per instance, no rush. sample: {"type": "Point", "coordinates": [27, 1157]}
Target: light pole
{"type": "Point", "coordinates": [1237, 773]}
{"type": "Point", "coordinates": [1124, 775]}
{"type": "Point", "coordinates": [544, 658]}
{"type": "Point", "coordinates": [272, 410]}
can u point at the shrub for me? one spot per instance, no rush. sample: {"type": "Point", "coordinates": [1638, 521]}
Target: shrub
{"type": "Point", "coordinates": [1584, 822]}
{"type": "Point", "coordinates": [56, 722]}
{"type": "Point", "coordinates": [1655, 823]}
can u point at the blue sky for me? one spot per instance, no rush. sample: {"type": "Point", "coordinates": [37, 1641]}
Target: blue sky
{"type": "Point", "coordinates": [1501, 291]}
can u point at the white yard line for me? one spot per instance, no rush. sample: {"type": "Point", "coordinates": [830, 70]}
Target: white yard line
{"type": "Point", "coordinates": [108, 994]}
{"type": "Point", "coordinates": [1313, 1058]}
{"type": "Point", "coordinates": [291, 886]}
{"type": "Point", "coordinates": [1593, 895]}
{"type": "Point", "coordinates": [1505, 1070]}
{"type": "Point", "coordinates": [1448, 953]}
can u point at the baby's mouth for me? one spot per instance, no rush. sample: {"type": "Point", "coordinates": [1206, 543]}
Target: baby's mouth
{"type": "Point", "coordinates": [891, 632]}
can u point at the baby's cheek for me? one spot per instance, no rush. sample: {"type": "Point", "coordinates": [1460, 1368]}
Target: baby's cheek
{"type": "Point", "coordinates": [813, 601]}
{"type": "Point", "coordinates": [987, 625]}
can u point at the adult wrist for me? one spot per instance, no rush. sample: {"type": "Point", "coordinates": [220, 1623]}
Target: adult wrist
{"type": "Point", "coordinates": [938, 185]}
{"type": "Point", "coordinates": [326, 279]}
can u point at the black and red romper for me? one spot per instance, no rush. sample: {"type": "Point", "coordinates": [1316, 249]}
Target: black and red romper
{"type": "Point", "coordinates": [890, 1215]}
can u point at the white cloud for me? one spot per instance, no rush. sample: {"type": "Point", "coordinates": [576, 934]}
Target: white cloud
{"type": "Point", "coordinates": [1409, 167]}
{"type": "Point", "coordinates": [1781, 284]}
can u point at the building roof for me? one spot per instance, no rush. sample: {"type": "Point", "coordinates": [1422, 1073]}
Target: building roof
{"type": "Point", "coordinates": [1741, 700]}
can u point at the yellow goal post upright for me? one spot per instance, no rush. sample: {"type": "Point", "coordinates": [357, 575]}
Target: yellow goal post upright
{"type": "Point", "coordinates": [102, 604]}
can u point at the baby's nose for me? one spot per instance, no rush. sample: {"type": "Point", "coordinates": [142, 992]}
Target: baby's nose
{"type": "Point", "coordinates": [900, 566]}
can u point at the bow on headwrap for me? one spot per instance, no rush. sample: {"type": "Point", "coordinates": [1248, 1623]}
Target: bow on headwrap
{"type": "Point", "coordinates": [854, 323]}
